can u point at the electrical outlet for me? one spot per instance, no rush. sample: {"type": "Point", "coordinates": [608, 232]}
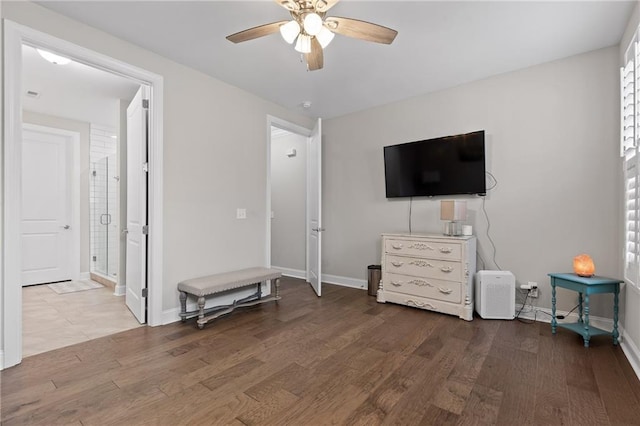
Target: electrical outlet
{"type": "Point", "coordinates": [533, 293]}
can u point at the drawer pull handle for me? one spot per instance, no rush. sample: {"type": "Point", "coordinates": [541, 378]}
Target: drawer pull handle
{"type": "Point", "coordinates": [421, 283]}
{"type": "Point", "coordinates": [421, 263]}
{"type": "Point", "coordinates": [446, 269]}
{"type": "Point", "coordinates": [397, 264]}
{"type": "Point", "coordinates": [445, 250]}
{"type": "Point", "coordinates": [396, 283]}
{"type": "Point", "coordinates": [445, 290]}
{"type": "Point", "coordinates": [419, 304]}
{"type": "Point", "coordinates": [396, 246]}
{"type": "Point", "coordinates": [420, 246]}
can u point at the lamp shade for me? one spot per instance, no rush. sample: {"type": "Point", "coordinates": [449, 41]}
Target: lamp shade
{"type": "Point", "coordinates": [303, 45]}
{"type": "Point", "coordinates": [290, 31]}
{"type": "Point", "coordinates": [324, 37]}
{"type": "Point", "coordinates": [453, 210]}
{"type": "Point", "coordinates": [312, 24]}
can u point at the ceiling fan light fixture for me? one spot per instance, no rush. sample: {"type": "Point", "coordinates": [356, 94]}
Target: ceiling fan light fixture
{"type": "Point", "coordinates": [312, 24]}
{"type": "Point", "coordinates": [290, 31]}
{"type": "Point", "coordinates": [53, 58]}
{"type": "Point", "coordinates": [303, 45]}
{"type": "Point", "coordinates": [324, 37]}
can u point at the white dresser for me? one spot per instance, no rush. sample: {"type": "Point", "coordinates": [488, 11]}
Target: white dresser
{"type": "Point", "coordinates": [431, 272]}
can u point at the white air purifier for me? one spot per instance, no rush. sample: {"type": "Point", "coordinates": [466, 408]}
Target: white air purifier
{"type": "Point", "coordinates": [495, 294]}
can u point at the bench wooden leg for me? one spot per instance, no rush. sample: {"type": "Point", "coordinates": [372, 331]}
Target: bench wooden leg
{"type": "Point", "coordinates": [277, 288]}
{"type": "Point", "coordinates": [201, 302]}
{"type": "Point", "coordinates": [183, 306]}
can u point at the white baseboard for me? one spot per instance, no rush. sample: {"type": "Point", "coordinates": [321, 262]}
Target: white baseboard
{"type": "Point", "coordinates": [120, 290]}
{"type": "Point", "coordinates": [1, 360]}
{"type": "Point", "coordinates": [85, 276]}
{"type": "Point", "coordinates": [632, 353]}
{"type": "Point", "coordinates": [345, 281]}
{"type": "Point", "coordinates": [294, 273]}
{"type": "Point", "coordinates": [171, 315]}
{"type": "Point", "coordinates": [329, 279]}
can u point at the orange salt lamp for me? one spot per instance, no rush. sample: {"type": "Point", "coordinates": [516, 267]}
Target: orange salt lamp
{"type": "Point", "coordinates": [583, 265]}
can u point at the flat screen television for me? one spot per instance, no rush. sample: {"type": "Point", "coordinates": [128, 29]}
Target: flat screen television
{"type": "Point", "coordinates": [442, 166]}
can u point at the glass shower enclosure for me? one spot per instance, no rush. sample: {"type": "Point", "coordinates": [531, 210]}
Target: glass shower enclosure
{"type": "Point", "coordinates": [104, 218]}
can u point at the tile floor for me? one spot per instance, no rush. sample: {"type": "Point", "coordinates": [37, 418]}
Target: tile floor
{"type": "Point", "coordinates": [51, 321]}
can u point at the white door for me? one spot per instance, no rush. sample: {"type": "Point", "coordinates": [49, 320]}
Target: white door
{"type": "Point", "coordinates": [136, 267]}
{"type": "Point", "coordinates": [46, 223]}
{"type": "Point", "coordinates": [314, 195]}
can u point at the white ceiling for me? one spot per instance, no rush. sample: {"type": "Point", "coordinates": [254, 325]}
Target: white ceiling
{"type": "Point", "coordinates": [439, 44]}
{"type": "Point", "coordinates": [74, 91]}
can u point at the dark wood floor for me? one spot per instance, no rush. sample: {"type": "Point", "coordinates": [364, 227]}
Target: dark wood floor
{"type": "Point", "coordinates": [339, 359]}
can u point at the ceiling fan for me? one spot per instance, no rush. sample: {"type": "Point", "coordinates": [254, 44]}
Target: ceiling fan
{"type": "Point", "coordinates": [312, 30]}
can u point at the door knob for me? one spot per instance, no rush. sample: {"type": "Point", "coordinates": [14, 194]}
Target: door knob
{"type": "Point", "coordinates": [66, 227]}
{"type": "Point", "coordinates": [125, 231]}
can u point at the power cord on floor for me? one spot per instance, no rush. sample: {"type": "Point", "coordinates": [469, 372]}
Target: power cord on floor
{"type": "Point", "coordinates": [562, 316]}
{"type": "Point", "coordinates": [535, 313]}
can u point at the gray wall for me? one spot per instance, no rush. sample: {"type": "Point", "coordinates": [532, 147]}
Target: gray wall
{"type": "Point", "coordinates": [85, 130]}
{"type": "Point", "coordinates": [552, 144]}
{"type": "Point", "coordinates": [288, 200]}
{"type": "Point", "coordinates": [215, 156]}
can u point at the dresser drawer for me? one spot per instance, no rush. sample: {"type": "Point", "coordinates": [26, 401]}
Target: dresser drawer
{"type": "Point", "coordinates": [428, 268]}
{"type": "Point", "coordinates": [432, 288]}
{"type": "Point", "coordinates": [430, 249]}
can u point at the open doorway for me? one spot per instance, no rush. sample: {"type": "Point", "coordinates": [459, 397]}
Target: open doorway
{"type": "Point", "coordinates": [294, 200]}
{"type": "Point", "coordinates": [15, 36]}
{"type": "Point", "coordinates": [288, 202]}
{"type": "Point", "coordinates": [74, 190]}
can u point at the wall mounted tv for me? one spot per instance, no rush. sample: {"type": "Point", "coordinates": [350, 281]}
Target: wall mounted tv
{"type": "Point", "coordinates": [442, 166]}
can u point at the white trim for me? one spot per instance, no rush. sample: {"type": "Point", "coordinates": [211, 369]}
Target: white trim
{"type": "Point", "coordinates": [74, 194]}
{"type": "Point", "coordinates": [1, 360]}
{"type": "Point", "coordinates": [631, 351]}
{"type": "Point", "coordinates": [12, 292]}
{"type": "Point", "coordinates": [120, 290]}
{"type": "Point", "coordinates": [345, 281]}
{"type": "Point", "coordinates": [14, 36]}
{"type": "Point", "coordinates": [288, 272]}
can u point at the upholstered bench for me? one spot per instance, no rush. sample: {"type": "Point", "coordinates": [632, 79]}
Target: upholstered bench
{"type": "Point", "coordinates": [215, 284]}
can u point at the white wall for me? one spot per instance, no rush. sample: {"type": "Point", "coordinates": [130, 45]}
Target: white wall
{"type": "Point", "coordinates": [288, 200]}
{"type": "Point", "coordinates": [552, 144]}
{"type": "Point", "coordinates": [214, 156]}
{"type": "Point", "coordinates": [84, 130]}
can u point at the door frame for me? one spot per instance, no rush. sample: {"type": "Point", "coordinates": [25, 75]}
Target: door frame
{"type": "Point", "coordinates": [302, 131]}
{"type": "Point", "coordinates": [11, 292]}
{"type": "Point", "coordinates": [74, 188]}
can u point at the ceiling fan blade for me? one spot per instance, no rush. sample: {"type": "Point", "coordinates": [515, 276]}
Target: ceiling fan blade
{"type": "Point", "coordinates": [255, 32]}
{"type": "Point", "coordinates": [315, 59]}
{"type": "Point", "coordinates": [324, 5]}
{"type": "Point", "coordinates": [361, 29]}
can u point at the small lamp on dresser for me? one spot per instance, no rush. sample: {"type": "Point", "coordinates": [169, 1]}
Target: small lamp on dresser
{"type": "Point", "coordinates": [454, 211]}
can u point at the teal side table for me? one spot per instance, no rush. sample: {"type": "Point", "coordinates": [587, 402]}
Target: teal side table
{"type": "Point", "coordinates": [585, 287]}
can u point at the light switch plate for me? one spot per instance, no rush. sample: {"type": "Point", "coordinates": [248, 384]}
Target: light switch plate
{"type": "Point", "coordinates": [241, 213]}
